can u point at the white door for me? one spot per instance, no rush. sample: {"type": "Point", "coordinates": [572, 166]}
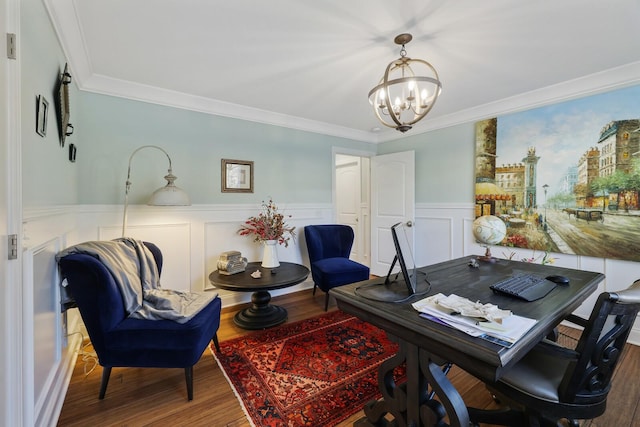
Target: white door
{"type": "Point", "coordinates": [392, 201]}
{"type": "Point", "coordinates": [348, 199]}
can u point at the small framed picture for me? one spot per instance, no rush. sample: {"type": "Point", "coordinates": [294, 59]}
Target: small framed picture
{"type": "Point", "coordinates": [237, 176]}
{"type": "Point", "coordinates": [72, 153]}
{"type": "Point", "coordinates": [42, 112]}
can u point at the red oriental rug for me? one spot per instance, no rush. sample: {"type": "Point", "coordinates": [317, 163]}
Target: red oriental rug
{"type": "Point", "coordinates": [315, 372]}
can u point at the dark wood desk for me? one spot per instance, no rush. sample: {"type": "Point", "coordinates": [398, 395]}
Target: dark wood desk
{"type": "Point", "coordinates": [425, 345]}
{"type": "Point", "coordinates": [261, 314]}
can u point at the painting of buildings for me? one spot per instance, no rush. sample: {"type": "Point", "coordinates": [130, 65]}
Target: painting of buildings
{"type": "Point", "coordinates": [565, 178]}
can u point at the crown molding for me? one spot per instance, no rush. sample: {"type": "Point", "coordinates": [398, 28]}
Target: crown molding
{"type": "Point", "coordinates": [155, 95]}
{"type": "Point", "coordinates": [604, 81]}
{"type": "Point", "coordinates": [615, 78]}
{"type": "Point", "coordinates": [63, 16]}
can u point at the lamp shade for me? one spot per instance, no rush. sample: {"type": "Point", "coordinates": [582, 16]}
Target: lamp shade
{"type": "Point", "coordinates": [169, 195]}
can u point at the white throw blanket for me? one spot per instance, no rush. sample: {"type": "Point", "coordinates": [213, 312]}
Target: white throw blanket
{"type": "Point", "coordinates": [135, 271]}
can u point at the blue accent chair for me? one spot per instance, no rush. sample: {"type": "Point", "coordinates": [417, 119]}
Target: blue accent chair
{"type": "Point", "coordinates": [126, 342]}
{"type": "Point", "coordinates": [329, 248]}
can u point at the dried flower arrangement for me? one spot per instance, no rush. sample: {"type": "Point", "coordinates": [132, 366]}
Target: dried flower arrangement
{"type": "Point", "coordinates": [268, 225]}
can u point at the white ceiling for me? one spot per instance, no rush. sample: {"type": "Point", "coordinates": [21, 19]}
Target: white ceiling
{"type": "Point", "coordinates": [310, 64]}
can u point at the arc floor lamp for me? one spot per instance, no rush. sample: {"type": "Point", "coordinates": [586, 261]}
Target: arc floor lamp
{"type": "Point", "coordinates": [169, 195]}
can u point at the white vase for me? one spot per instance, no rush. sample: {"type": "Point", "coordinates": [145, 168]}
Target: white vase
{"type": "Point", "coordinates": [270, 254]}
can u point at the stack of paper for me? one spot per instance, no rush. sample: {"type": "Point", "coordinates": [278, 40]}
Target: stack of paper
{"type": "Point", "coordinates": [485, 321]}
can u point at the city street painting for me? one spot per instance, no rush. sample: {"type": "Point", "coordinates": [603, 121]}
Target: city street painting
{"type": "Point", "coordinates": [565, 178]}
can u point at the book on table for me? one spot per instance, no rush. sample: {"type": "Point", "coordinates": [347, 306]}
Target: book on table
{"type": "Point", "coordinates": [231, 262]}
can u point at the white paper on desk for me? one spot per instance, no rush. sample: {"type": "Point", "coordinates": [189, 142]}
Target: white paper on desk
{"type": "Point", "coordinates": [510, 330]}
{"type": "Point", "coordinates": [469, 308]}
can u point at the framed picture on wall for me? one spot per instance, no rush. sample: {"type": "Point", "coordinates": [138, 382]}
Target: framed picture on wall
{"type": "Point", "coordinates": [564, 177]}
{"type": "Point", "coordinates": [237, 176]}
{"type": "Point", "coordinates": [42, 112]}
{"type": "Point", "coordinates": [64, 127]}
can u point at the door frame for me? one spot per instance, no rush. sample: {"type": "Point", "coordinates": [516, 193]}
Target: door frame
{"type": "Point", "coordinates": [362, 231]}
{"type": "Point", "coordinates": [12, 408]}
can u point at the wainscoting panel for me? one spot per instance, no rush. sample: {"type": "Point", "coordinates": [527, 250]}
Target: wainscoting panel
{"type": "Point", "coordinates": [43, 330]}
{"type": "Point", "coordinates": [441, 232]}
{"type": "Point", "coordinates": [173, 239]}
{"type": "Point", "coordinates": [433, 240]}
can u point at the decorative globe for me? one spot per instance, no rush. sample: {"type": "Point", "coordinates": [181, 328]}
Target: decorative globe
{"type": "Point", "coordinates": [489, 229]}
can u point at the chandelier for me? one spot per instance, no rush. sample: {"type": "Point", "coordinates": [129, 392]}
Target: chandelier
{"type": "Point", "coordinates": [404, 96]}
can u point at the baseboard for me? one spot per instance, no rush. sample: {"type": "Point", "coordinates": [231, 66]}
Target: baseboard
{"type": "Point", "coordinates": [52, 406]}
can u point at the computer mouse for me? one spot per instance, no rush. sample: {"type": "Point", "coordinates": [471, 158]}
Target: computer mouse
{"type": "Point", "coordinates": [557, 279]}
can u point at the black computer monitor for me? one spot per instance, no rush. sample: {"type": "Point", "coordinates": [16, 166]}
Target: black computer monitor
{"type": "Point", "coordinates": [401, 285]}
{"type": "Point", "coordinates": [404, 257]}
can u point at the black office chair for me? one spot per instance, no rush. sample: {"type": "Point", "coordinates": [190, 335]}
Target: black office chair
{"type": "Point", "coordinates": [553, 383]}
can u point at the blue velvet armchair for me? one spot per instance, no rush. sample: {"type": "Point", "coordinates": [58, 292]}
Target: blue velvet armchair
{"type": "Point", "coordinates": [329, 248]}
{"type": "Point", "coordinates": [122, 341]}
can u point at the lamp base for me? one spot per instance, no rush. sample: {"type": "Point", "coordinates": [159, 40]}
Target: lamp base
{"type": "Point", "coordinates": [485, 258]}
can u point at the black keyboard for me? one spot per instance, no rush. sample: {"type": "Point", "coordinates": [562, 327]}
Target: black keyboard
{"type": "Point", "coordinates": [528, 287]}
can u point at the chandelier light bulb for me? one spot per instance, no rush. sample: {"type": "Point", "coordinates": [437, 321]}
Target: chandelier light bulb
{"type": "Point", "coordinates": [381, 97]}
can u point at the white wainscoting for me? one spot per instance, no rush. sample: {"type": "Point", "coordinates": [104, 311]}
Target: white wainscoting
{"type": "Point", "coordinates": [42, 322]}
{"type": "Point", "coordinates": [191, 239]}
{"type": "Point", "coordinates": [173, 239]}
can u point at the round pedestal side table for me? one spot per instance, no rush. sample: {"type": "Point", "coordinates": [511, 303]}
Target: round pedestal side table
{"type": "Point", "coordinates": [261, 314]}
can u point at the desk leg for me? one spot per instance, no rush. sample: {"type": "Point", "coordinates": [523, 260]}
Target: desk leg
{"type": "Point", "coordinates": [260, 314]}
{"type": "Point", "coordinates": [409, 403]}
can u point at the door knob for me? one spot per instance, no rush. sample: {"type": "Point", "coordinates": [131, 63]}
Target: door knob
{"type": "Point", "coordinates": [409, 224]}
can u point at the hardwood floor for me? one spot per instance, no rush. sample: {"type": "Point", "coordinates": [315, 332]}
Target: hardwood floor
{"type": "Point", "coordinates": [158, 397]}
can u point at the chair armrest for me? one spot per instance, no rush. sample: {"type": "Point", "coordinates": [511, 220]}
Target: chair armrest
{"type": "Point", "coordinates": [556, 350]}
{"type": "Point", "coordinates": [577, 320]}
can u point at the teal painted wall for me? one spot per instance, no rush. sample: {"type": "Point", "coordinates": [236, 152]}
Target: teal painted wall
{"type": "Point", "coordinates": [289, 165]}
{"type": "Point", "coordinates": [444, 161]}
{"type": "Point", "coordinates": [48, 177]}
